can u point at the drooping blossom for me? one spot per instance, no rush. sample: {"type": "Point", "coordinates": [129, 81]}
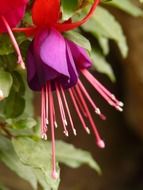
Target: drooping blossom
{"type": "Point", "coordinates": [55, 63]}
{"type": "Point", "coordinates": [11, 13]}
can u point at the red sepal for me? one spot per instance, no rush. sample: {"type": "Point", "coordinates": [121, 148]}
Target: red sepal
{"type": "Point", "coordinates": [30, 31]}
{"type": "Point", "coordinates": [45, 12]}
{"type": "Point", "coordinates": [62, 27]}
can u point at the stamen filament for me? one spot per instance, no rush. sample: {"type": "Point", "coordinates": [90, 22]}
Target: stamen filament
{"type": "Point", "coordinates": [54, 172]}
{"type": "Point", "coordinates": [62, 113]}
{"type": "Point", "coordinates": [14, 42]}
{"type": "Point", "coordinates": [68, 111]}
{"type": "Point", "coordinates": [81, 107]}
{"type": "Point", "coordinates": [78, 111]}
{"type": "Point", "coordinates": [110, 98]}
{"type": "Point", "coordinates": [47, 105]}
{"type": "Point", "coordinates": [43, 124]}
{"type": "Point", "coordinates": [100, 142]}
{"type": "Point", "coordinates": [84, 91]}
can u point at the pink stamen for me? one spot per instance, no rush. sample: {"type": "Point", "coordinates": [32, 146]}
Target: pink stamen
{"type": "Point", "coordinates": [47, 105]}
{"type": "Point", "coordinates": [84, 91]}
{"type": "Point", "coordinates": [81, 107]}
{"type": "Point", "coordinates": [54, 115]}
{"type": "Point", "coordinates": [54, 172]}
{"type": "Point", "coordinates": [62, 112]}
{"type": "Point", "coordinates": [13, 40]}
{"type": "Point", "coordinates": [68, 111]}
{"type": "Point", "coordinates": [78, 112]}
{"type": "Point", "coordinates": [100, 142]}
{"type": "Point", "coordinates": [110, 98]}
{"type": "Point", "coordinates": [43, 124]}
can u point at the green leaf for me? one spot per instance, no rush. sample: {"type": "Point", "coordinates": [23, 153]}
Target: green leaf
{"type": "Point", "coordinates": [26, 123]}
{"type": "Point", "coordinates": [127, 6]}
{"type": "Point", "coordinates": [73, 157]}
{"type": "Point", "coordinates": [18, 84]}
{"type": "Point", "coordinates": [28, 96]}
{"type": "Point", "coordinates": [101, 65]}
{"type": "Point", "coordinates": [9, 157]}
{"type": "Point", "coordinates": [5, 83]}
{"type": "Point", "coordinates": [43, 181]}
{"type": "Point", "coordinates": [14, 105]}
{"type": "Point", "coordinates": [105, 25]}
{"type": "Point", "coordinates": [104, 43]}
{"type": "Point", "coordinates": [78, 39]}
{"type": "Point", "coordinates": [68, 8]}
{"type": "Point", "coordinates": [38, 154]}
{"type": "Point", "coordinates": [7, 47]}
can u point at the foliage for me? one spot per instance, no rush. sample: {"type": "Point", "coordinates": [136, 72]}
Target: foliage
{"type": "Point", "coordinates": [20, 146]}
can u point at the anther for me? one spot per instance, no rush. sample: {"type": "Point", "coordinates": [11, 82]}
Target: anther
{"type": "Point", "coordinates": [47, 121]}
{"type": "Point", "coordinates": [101, 143]}
{"type": "Point", "coordinates": [98, 111]}
{"type": "Point", "coordinates": [66, 133]}
{"type": "Point", "coordinates": [44, 136]}
{"type": "Point", "coordinates": [119, 108]}
{"type": "Point", "coordinates": [74, 132]}
{"type": "Point", "coordinates": [56, 125]}
{"type": "Point", "coordinates": [121, 104]}
{"type": "Point", "coordinates": [65, 121]}
{"type": "Point", "coordinates": [88, 130]}
{"type": "Point", "coordinates": [55, 175]}
{"type": "Point", "coordinates": [113, 97]}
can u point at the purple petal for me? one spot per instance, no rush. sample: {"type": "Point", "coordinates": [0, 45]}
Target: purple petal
{"type": "Point", "coordinates": [72, 69]}
{"type": "Point", "coordinates": [80, 55]}
{"type": "Point", "coordinates": [50, 59]}
{"type": "Point", "coordinates": [50, 47]}
{"type": "Point", "coordinates": [32, 75]}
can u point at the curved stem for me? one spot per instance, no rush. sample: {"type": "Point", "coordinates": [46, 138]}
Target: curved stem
{"type": "Point", "coordinates": [14, 42]}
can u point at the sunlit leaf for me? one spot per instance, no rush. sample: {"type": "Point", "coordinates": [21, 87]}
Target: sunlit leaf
{"type": "Point", "coordinates": [38, 153]}
{"type": "Point", "coordinates": [9, 157]}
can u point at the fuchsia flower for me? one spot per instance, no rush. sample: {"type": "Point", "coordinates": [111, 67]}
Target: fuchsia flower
{"type": "Point", "coordinates": [11, 13]}
{"type": "Point", "coordinates": [55, 64]}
